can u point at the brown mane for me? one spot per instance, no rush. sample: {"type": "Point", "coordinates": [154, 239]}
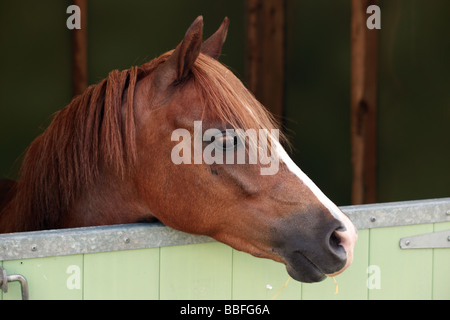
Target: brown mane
{"type": "Point", "coordinates": [92, 133]}
{"type": "Point", "coordinates": [66, 158]}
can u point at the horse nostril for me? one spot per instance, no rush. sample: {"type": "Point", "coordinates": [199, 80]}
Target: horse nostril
{"type": "Point", "coordinates": [337, 243]}
{"type": "Point", "coordinates": [336, 237]}
{"type": "Point", "coordinates": [335, 240]}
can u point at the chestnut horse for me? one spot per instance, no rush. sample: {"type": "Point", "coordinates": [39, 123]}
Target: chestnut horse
{"type": "Point", "coordinates": [106, 159]}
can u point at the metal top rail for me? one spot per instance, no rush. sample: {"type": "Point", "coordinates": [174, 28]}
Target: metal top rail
{"type": "Point", "coordinates": [138, 236]}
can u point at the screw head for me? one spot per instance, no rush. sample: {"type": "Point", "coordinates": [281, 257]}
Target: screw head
{"type": "Point", "coordinates": [373, 219]}
{"type": "Point", "coordinates": [34, 247]}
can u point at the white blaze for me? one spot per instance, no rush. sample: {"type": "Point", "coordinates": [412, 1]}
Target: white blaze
{"type": "Point", "coordinates": [349, 236]}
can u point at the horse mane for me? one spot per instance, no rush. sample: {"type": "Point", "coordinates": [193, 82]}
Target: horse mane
{"type": "Point", "coordinates": [88, 134]}
{"type": "Point", "coordinates": [92, 133]}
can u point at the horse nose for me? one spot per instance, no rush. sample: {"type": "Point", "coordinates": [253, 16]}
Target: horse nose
{"type": "Point", "coordinates": [341, 244]}
{"type": "Point", "coordinates": [325, 251]}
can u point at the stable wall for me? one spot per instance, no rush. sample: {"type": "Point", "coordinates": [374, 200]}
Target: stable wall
{"type": "Point", "coordinates": [414, 104]}
{"type": "Point", "coordinates": [166, 264]}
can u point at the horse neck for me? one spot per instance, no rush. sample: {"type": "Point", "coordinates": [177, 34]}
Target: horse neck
{"type": "Point", "coordinates": [111, 200]}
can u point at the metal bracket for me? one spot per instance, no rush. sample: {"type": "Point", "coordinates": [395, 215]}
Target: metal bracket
{"type": "Point", "coordinates": [434, 240]}
{"type": "Point", "coordinates": [4, 279]}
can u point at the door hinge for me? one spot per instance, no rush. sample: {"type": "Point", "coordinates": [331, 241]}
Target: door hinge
{"type": "Point", "coordinates": [435, 240]}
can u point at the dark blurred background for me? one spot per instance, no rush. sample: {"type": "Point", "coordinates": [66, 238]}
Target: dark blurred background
{"type": "Point", "coordinates": [413, 79]}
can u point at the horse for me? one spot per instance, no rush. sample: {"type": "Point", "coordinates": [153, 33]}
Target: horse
{"type": "Point", "coordinates": [106, 159]}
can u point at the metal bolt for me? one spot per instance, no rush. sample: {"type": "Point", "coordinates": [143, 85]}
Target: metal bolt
{"type": "Point", "coordinates": [407, 243]}
{"type": "Point", "coordinates": [34, 247]}
{"type": "Point", "coordinates": [126, 240]}
{"type": "Point", "coordinates": [448, 238]}
{"type": "Point", "coordinates": [448, 212]}
{"type": "Point", "coordinates": [373, 219]}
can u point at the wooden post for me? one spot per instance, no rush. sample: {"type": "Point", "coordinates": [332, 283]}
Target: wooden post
{"type": "Point", "coordinates": [363, 103]}
{"type": "Point", "coordinates": [79, 51]}
{"type": "Point", "coordinates": [265, 52]}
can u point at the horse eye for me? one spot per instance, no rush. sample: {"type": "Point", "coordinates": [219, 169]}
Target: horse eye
{"type": "Point", "coordinates": [225, 140]}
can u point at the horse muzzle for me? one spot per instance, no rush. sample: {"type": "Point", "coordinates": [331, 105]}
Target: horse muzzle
{"type": "Point", "coordinates": [320, 252]}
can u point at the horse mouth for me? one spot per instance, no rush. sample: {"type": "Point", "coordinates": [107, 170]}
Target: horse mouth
{"type": "Point", "coordinates": [305, 270]}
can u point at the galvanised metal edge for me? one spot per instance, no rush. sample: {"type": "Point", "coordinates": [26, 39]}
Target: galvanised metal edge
{"type": "Point", "coordinates": [402, 213]}
{"type": "Point", "coordinates": [46, 243]}
{"type": "Point", "coordinates": [37, 244]}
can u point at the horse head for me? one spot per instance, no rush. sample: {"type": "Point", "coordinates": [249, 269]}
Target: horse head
{"type": "Point", "coordinates": [281, 216]}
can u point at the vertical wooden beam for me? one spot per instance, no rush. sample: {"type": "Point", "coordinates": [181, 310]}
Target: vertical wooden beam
{"type": "Point", "coordinates": [363, 103]}
{"type": "Point", "coordinates": [79, 51]}
{"type": "Point", "coordinates": [265, 52]}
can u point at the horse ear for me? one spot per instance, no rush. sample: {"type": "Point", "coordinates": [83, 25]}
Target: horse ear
{"type": "Point", "coordinates": [177, 67]}
{"type": "Point", "coordinates": [213, 45]}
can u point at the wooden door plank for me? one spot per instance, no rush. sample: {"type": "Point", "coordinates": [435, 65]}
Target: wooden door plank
{"type": "Point", "coordinates": [198, 271]}
{"type": "Point", "coordinates": [130, 274]}
{"type": "Point", "coordinates": [79, 52]}
{"type": "Point", "coordinates": [255, 279]}
{"type": "Point", "coordinates": [364, 58]}
{"type": "Point", "coordinates": [265, 52]}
